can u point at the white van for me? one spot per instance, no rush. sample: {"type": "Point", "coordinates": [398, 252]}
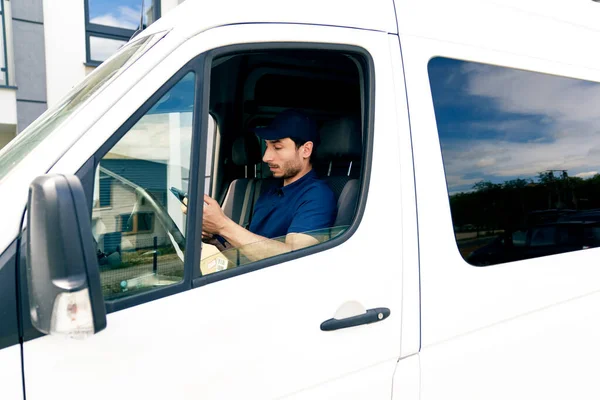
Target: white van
{"type": "Point", "coordinates": [459, 137]}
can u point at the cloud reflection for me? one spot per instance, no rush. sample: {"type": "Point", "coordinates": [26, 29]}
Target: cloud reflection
{"type": "Point", "coordinates": [498, 123]}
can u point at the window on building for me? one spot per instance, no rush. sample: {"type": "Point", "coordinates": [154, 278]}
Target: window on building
{"type": "Point", "coordinates": [111, 23]}
{"type": "Point", "coordinates": [105, 187]}
{"type": "Point", "coordinates": [521, 154]}
{"type": "Point", "coordinates": [139, 222]}
{"type": "Point", "coordinates": [3, 55]}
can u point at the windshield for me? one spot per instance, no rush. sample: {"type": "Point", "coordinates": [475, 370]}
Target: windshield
{"type": "Point", "coordinates": [26, 141]}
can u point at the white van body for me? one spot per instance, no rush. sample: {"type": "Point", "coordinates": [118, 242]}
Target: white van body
{"type": "Point", "coordinates": [524, 329]}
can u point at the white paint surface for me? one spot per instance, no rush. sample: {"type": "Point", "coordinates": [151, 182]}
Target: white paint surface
{"type": "Point", "coordinates": [11, 379]}
{"type": "Point", "coordinates": [64, 38]}
{"type": "Point", "coordinates": [168, 5]}
{"type": "Point", "coordinates": [8, 106]}
{"type": "Point", "coordinates": [407, 379]}
{"type": "Point", "coordinates": [195, 16]}
{"type": "Point", "coordinates": [548, 354]}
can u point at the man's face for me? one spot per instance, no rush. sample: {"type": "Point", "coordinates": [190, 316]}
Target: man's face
{"type": "Point", "coordinates": [284, 160]}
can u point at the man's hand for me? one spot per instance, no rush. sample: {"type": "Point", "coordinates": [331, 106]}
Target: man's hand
{"type": "Point", "coordinates": [214, 219]}
{"type": "Point", "coordinates": [184, 206]}
{"type": "Point", "coordinates": [215, 222]}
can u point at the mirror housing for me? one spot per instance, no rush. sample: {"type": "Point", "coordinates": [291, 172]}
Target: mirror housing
{"type": "Point", "coordinates": [65, 295]}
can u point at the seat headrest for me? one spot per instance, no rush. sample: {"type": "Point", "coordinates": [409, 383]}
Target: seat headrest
{"type": "Point", "coordinates": [340, 139]}
{"type": "Point", "coordinates": [246, 151]}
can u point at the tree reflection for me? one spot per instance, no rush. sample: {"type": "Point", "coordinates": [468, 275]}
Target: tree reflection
{"type": "Point", "coordinates": [490, 219]}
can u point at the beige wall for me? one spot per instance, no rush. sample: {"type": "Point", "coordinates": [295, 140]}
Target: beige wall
{"type": "Point", "coordinates": [7, 133]}
{"type": "Point", "coordinates": [64, 30]}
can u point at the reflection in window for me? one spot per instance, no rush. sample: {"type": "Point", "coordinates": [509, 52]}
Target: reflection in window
{"type": "Point", "coordinates": [543, 236]}
{"type": "Point", "coordinates": [137, 223]}
{"type": "Point", "coordinates": [519, 238]}
{"type": "Point", "coordinates": [102, 48]}
{"type": "Point", "coordinates": [521, 153]}
{"type": "Point", "coordinates": [120, 14]}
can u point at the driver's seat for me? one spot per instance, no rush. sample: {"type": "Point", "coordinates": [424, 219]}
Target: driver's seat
{"type": "Point", "coordinates": [242, 192]}
{"type": "Point", "coordinates": [339, 161]}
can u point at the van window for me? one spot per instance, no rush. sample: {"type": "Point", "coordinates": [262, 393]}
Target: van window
{"type": "Point", "coordinates": [138, 224]}
{"type": "Point", "coordinates": [521, 157]}
{"type": "Point", "coordinates": [255, 178]}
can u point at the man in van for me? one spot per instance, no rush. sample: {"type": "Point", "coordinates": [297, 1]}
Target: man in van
{"type": "Point", "coordinates": [299, 203]}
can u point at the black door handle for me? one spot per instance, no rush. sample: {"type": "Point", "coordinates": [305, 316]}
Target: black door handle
{"type": "Point", "coordinates": [370, 316]}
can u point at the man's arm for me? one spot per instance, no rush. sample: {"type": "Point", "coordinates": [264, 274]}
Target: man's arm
{"type": "Point", "coordinates": [253, 246]}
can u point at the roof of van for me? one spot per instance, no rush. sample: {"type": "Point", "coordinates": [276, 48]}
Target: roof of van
{"type": "Point", "coordinates": [438, 18]}
{"type": "Point", "coordinates": [474, 22]}
{"type": "Point", "coordinates": [194, 16]}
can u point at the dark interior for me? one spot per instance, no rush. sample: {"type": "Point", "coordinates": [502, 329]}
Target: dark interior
{"type": "Point", "coordinates": [248, 90]}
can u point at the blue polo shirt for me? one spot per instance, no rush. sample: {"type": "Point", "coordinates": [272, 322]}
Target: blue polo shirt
{"type": "Point", "coordinates": [305, 205]}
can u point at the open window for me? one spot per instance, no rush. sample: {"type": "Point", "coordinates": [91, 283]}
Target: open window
{"type": "Point", "coordinates": [204, 141]}
{"type": "Point", "coordinates": [248, 90]}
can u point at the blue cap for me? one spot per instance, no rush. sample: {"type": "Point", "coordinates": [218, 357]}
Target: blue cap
{"type": "Point", "coordinates": [291, 124]}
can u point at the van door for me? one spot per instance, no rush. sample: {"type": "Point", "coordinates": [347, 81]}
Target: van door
{"type": "Point", "coordinates": [507, 217]}
{"type": "Point", "coordinates": [253, 331]}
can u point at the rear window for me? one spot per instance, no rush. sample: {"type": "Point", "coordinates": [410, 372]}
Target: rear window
{"type": "Point", "coordinates": [521, 153]}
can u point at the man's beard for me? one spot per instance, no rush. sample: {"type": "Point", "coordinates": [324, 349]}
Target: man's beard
{"type": "Point", "coordinates": [291, 168]}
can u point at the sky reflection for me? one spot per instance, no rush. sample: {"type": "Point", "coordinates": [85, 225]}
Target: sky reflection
{"type": "Point", "coordinates": [498, 124]}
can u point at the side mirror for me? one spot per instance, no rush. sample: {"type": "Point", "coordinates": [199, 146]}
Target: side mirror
{"type": "Point", "coordinates": [63, 277]}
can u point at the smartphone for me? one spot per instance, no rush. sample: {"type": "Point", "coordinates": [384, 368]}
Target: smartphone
{"type": "Point", "coordinates": [180, 194]}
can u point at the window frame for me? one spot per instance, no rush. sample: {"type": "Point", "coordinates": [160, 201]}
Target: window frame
{"type": "Point", "coordinates": [366, 65]}
{"type": "Point", "coordinates": [201, 65]}
{"type": "Point", "coordinates": [87, 172]}
{"type": "Point", "coordinates": [4, 53]}
{"type": "Point", "coordinates": [514, 66]}
{"type": "Point", "coordinates": [109, 32]}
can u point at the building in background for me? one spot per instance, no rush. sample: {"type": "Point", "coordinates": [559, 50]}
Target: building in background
{"type": "Point", "coordinates": [48, 46]}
